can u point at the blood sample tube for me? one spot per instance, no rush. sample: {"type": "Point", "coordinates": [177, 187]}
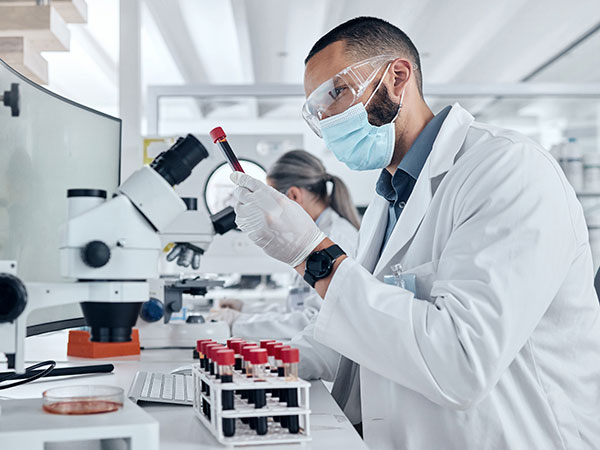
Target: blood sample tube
{"type": "Point", "coordinates": [237, 348]}
{"type": "Point", "coordinates": [290, 358]}
{"type": "Point", "coordinates": [260, 373]}
{"type": "Point", "coordinates": [209, 350]}
{"type": "Point", "coordinates": [202, 353]}
{"type": "Point", "coordinates": [218, 136]}
{"type": "Point", "coordinates": [225, 361]}
{"type": "Point", "coordinates": [270, 346]}
{"type": "Point", "coordinates": [281, 393]}
{"type": "Point", "coordinates": [247, 369]}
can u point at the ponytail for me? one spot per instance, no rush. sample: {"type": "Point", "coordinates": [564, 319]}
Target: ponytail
{"type": "Point", "coordinates": [341, 202]}
{"type": "Point", "coordinates": [302, 169]}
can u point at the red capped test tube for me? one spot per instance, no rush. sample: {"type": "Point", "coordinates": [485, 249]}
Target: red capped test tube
{"type": "Point", "coordinates": [270, 346]}
{"type": "Point", "coordinates": [247, 368]}
{"type": "Point", "coordinates": [219, 137]}
{"type": "Point", "coordinates": [260, 372]}
{"type": "Point", "coordinates": [281, 393]}
{"type": "Point", "coordinates": [290, 358]}
{"type": "Point", "coordinates": [247, 364]}
{"type": "Point", "coordinates": [199, 350]}
{"type": "Point", "coordinates": [237, 348]}
{"type": "Point", "coordinates": [225, 361]}
{"type": "Point", "coordinates": [209, 350]}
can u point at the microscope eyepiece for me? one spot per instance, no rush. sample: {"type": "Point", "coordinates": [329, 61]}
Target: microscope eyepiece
{"type": "Point", "coordinates": [176, 164]}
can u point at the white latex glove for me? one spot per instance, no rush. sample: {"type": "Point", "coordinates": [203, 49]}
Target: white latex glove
{"type": "Point", "coordinates": [274, 222]}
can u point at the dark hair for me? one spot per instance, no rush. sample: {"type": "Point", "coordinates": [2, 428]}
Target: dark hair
{"type": "Point", "coordinates": [304, 170]}
{"type": "Point", "coordinates": [365, 37]}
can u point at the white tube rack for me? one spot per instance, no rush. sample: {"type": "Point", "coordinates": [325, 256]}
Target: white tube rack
{"type": "Point", "coordinates": [244, 435]}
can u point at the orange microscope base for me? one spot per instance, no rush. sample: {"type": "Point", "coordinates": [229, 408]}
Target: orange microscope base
{"type": "Point", "coordinates": [80, 345]}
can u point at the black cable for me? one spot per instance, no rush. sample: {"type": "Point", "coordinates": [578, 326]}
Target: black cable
{"type": "Point", "coordinates": [63, 371]}
{"type": "Point", "coordinates": [34, 376]}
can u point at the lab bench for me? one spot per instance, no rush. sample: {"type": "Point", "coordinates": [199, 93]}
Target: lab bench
{"type": "Point", "coordinates": [179, 428]}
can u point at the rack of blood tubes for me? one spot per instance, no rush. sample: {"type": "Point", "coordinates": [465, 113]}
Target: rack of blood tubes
{"type": "Point", "coordinates": [248, 394]}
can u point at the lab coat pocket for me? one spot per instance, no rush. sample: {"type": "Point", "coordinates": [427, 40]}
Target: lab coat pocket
{"type": "Point", "coordinates": [425, 275]}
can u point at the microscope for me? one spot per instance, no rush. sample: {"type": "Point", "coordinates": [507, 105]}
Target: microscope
{"type": "Point", "coordinates": [109, 250]}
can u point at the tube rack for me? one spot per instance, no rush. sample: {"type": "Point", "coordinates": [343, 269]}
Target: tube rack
{"type": "Point", "coordinates": [244, 435]}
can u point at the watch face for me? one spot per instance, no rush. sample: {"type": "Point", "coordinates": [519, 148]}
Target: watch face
{"type": "Point", "coordinates": [318, 264]}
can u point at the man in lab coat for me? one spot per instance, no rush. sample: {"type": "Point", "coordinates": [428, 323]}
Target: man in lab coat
{"type": "Point", "coordinates": [498, 344]}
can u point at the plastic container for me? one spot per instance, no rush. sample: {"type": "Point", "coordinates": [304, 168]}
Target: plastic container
{"type": "Point", "coordinates": [82, 400]}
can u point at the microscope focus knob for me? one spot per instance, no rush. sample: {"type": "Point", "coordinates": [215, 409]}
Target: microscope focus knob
{"type": "Point", "coordinates": [95, 254]}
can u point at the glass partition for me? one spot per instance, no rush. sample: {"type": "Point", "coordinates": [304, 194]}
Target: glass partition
{"type": "Point", "coordinates": [52, 145]}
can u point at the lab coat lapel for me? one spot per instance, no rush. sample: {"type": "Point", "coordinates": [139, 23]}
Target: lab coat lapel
{"type": "Point", "coordinates": [372, 231]}
{"type": "Point", "coordinates": [443, 153]}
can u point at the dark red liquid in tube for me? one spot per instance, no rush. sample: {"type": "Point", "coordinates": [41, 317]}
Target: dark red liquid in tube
{"type": "Point", "coordinates": [218, 136]}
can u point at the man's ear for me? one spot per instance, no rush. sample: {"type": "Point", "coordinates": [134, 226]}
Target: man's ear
{"type": "Point", "coordinates": [401, 71]}
{"type": "Point", "coordinates": [295, 193]}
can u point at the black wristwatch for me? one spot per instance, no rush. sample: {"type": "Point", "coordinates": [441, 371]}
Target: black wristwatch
{"type": "Point", "coordinates": [319, 264]}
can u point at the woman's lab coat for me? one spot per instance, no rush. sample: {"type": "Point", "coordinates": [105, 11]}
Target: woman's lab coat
{"type": "Point", "coordinates": [500, 346]}
{"type": "Point", "coordinates": [316, 360]}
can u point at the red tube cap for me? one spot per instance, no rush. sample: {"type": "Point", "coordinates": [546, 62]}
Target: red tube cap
{"type": "Point", "coordinates": [290, 355]}
{"type": "Point", "coordinates": [225, 357]}
{"type": "Point", "coordinates": [278, 350]}
{"type": "Point", "coordinates": [199, 344]}
{"type": "Point", "coordinates": [237, 346]}
{"type": "Point", "coordinates": [204, 344]}
{"type": "Point", "coordinates": [210, 349]}
{"type": "Point", "coordinates": [264, 342]}
{"type": "Point", "coordinates": [246, 350]}
{"type": "Point", "coordinates": [258, 356]}
{"type": "Point", "coordinates": [232, 340]}
{"type": "Point", "coordinates": [271, 347]}
{"type": "Point", "coordinates": [217, 134]}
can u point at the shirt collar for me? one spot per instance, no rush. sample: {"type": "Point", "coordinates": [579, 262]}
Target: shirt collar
{"type": "Point", "coordinates": [415, 158]}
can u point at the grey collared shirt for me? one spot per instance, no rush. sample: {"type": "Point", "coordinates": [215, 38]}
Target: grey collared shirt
{"type": "Point", "coordinates": [397, 189]}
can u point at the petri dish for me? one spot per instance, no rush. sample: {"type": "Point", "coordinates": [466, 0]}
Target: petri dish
{"type": "Point", "coordinates": [81, 400]}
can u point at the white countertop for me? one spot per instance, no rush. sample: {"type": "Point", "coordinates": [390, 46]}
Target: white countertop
{"type": "Point", "coordinates": [179, 428]}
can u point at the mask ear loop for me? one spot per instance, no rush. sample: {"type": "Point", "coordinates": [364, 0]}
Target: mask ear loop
{"type": "Point", "coordinates": [378, 84]}
{"type": "Point", "coordinates": [399, 105]}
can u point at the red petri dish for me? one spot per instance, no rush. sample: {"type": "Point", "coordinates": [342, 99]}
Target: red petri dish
{"type": "Point", "coordinates": [82, 400]}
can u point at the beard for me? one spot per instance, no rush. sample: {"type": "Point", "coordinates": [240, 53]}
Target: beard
{"type": "Point", "coordinates": [382, 109]}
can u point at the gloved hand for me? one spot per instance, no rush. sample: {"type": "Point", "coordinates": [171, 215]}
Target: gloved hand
{"type": "Point", "coordinates": [186, 254]}
{"type": "Point", "coordinates": [274, 222]}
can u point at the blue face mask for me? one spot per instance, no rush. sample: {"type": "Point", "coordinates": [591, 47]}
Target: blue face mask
{"type": "Point", "coordinates": [357, 143]}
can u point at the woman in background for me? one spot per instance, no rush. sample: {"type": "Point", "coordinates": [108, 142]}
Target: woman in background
{"type": "Point", "coordinates": [303, 178]}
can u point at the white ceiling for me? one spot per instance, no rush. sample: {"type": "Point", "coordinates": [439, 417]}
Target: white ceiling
{"type": "Point", "coordinates": [266, 41]}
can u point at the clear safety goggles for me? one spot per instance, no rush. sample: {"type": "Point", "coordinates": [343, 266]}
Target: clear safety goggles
{"type": "Point", "coordinates": [342, 91]}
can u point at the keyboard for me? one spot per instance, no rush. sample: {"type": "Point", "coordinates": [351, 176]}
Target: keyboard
{"type": "Point", "coordinates": [162, 388]}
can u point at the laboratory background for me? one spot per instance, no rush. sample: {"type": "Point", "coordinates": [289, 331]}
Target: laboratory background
{"type": "Point", "coordinates": [104, 100]}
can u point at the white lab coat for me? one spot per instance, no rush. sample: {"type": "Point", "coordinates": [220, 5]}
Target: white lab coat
{"type": "Point", "coordinates": [500, 348]}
